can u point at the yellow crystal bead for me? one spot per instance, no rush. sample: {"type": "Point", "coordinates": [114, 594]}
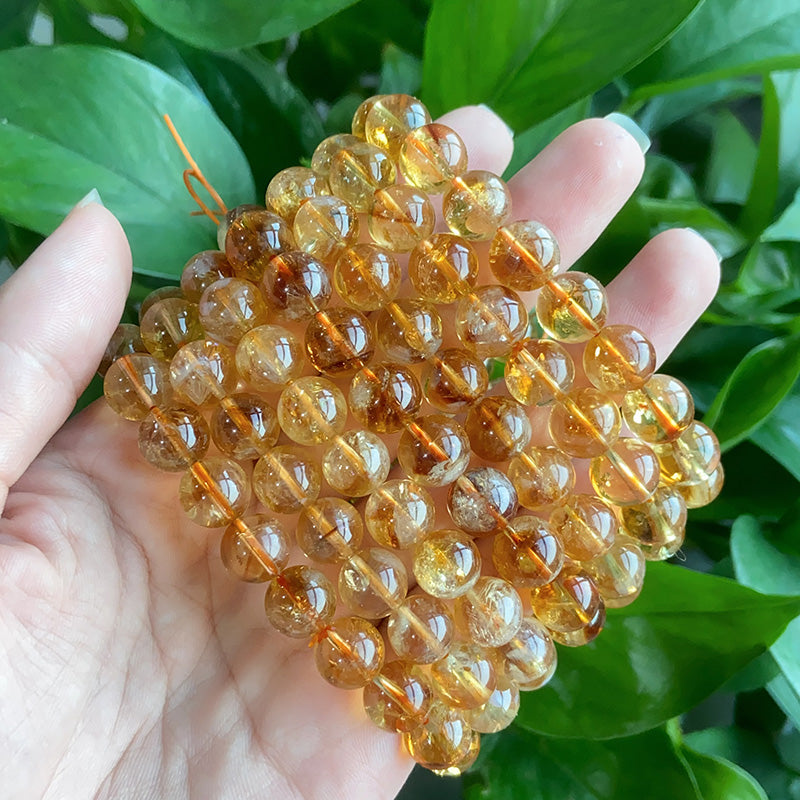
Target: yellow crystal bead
{"type": "Point", "coordinates": [658, 525]}
{"type": "Point", "coordinates": [660, 411]}
{"type": "Point", "coordinates": [409, 331]}
{"type": "Point", "coordinates": [356, 463]}
{"type": "Point", "coordinates": [156, 296]}
{"type": "Point", "coordinates": [244, 426]}
{"type": "Point", "coordinates": [228, 219]}
{"type": "Point", "coordinates": [339, 341]}
{"type": "Point", "coordinates": [358, 171]}
{"type": "Point", "coordinates": [367, 277]}
{"type": "Point", "coordinates": [490, 613]}
{"type": "Point", "coordinates": [619, 573]}
{"type": "Point", "coordinates": [542, 476]}
{"type": "Point", "coordinates": [399, 698]}
{"type": "Point", "coordinates": [443, 743]}
{"type": "Point", "coordinates": [253, 238]}
{"type": "Point", "coordinates": [300, 601]}
{"type": "Point", "coordinates": [290, 188]}
{"type": "Point", "coordinates": [625, 475]}
{"type": "Point", "coordinates": [618, 359]}
{"type": "Point", "coordinates": [498, 428]}
{"type": "Point", "coordinates": [476, 204]}
{"type": "Point", "coordinates": [312, 410]}
{"type": "Point", "coordinates": [466, 676]}
{"type": "Point", "coordinates": [443, 267]}
{"type": "Point", "coordinates": [202, 372]}
{"type": "Point", "coordinates": [360, 117]}
{"type": "Point", "coordinates": [173, 438]}
{"type": "Point", "coordinates": [537, 371]}
{"type": "Point", "coordinates": [325, 226]}
{"type": "Point", "coordinates": [581, 636]}
{"type": "Point", "coordinates": [454, 379]}
{"type": "Point", "coordinates": [529, 658]}
{"type": "Point", "coordinates": [569, 602]}
{"type": "Point", "coordinates": [350, 654]}
{"type": "Point", "coordinates": [528, 554]}
{"type": "Point", "coordinates": [482, 501]}
{"type": "Point", "coordinates": [585, 526]}
{"type": "Point", "coordinates": [431, 156]}
{"type": "Point", "coordinates": [231, 307]}
{"type": "Point", "coordinates": [490, 320]}
{"type": "Point", "coordinates": [399, 514]}
{"type": "Point", "coordinates": [704, 492]}
{"type": "Point", "coordinates": [400, 217]}
{"type": "Point", "coordinates": [572, 307]}
{"type": "Point", "coordinates": [125, 340]}
{"type": "Point", "coordinates": [285, 481]}
{"type": "Point", "coordinates": [327, 150]}
{"type": "Point", "coordinates": [383, 396]}
{"type": "Point", "coordinates": [269, 357]}
{"type": "Point", "coordinates": [524, 255]}
{"type": "Point", "coordinates": [585, 423]}
{"type": "Point", "coordinates": [263, 532]}
{"type": "Point", "coordinates": [373, 583]}
{"type": "Point", "coordinates": [433, 450]}
{"type": "Point", "coordinates": [134, 384]}
{"type": "Point", "coordinates": [329, 530]}
{"type": "Point", "coordinates": [421, 629]}
{"type": "Point", "coordinates": [201, 271]}
{"type": "Point", "coordinates": [499, 711]}
{"type": "Point", "coordinates": [391, 118]}
{"type": "Point", "coordinates": [296, 285]}
{"type": "Point", "coordinates": [691, 457]}
{"type": "Point", "coordinates": [168, 325]}
{"type": "Point", "coordinates": [446, 564]}
{"type": "Point", "coordinates": [215, 491]}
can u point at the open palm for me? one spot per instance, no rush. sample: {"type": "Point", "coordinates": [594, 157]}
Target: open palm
{"type": "Point", "coordinates": [131, 665]}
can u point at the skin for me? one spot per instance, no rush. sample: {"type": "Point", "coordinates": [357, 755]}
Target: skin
{"type": "Point", "coordinates": [131, 665]}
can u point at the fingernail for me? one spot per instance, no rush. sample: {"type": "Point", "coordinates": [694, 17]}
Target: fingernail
{"type": "Point", "coordinates": [697, 233]}
{"type": "Point", "coordinates": [92, 197]}
{"type": "Point", "coordinates": [627, 124]}
{"type": "Point", "coordinates": [506, 125]}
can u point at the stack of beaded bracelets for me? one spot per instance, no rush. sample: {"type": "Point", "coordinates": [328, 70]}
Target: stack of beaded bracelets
{"type": "Point", "coordinates": [254, 355]}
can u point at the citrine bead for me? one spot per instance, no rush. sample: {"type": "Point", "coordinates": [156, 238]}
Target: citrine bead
{"type": "Point", "coordinates": [339, 341]}
{"type": "Point", "coordinates": [358, 171]}
{"type": "Point", "coordinates": [400, 217]}
{"type": "Point", "coordinates": [443, 743]}
{"type": "Point", "coordinates": [703, 492]}
{"type": "Point", "coordinates": [291, 187]}
{"type": "Point", "coordinates": [543, 477]}
{"type": "Point", "coordinates": [201, 271]}
{"type": "Point", "coordinates": [351, 653]}
{"type": "Point", "coordinates": [125, 340]}
{"type": "Point", "coordinates": [168, 325]}
{"type": "Point", "coordinates": [269, 357]}
{"type": "Point", "coordinates": [360, 116]}
{"type": "Point", "coordinates": [585, 634]}
{"type": "Point", "coordinates": [329, 529]}
{"type": "Point", "coordinates": [421, 629]}
{"type": "Point", "coordinates": [409, 331]}
{"type": "Point", "coordinates": [231, 307]}
{"type": "Point", "coordinates": [498, 428]}
{"type": "Point", "coordinates": [373, 583]}
{"type": "Point", "coordinates": [625, 475]}
{"type": "Point", "coordinates": [454, 379]}
{"type": "Point", "coordinates": [431, 156]}
{"type": "Point", "coordinates": [312, 410]}
{"type": "Point", "coordinates": [499, 710]}
{"type": "Point", "coordinates": [324, 226]}
{"type": "Point", "coordinates": [134, 384]}
{"type": "Point", "coordinates": [585, 423]}
{"type": "Point", "coordinates": [384, 395]}
{"type": "Point", "coordinates": [618, 359]}
{"type": "Point", "coordinates": [572, 307]}
{"type": "Point", "coordinates": [367, 277]}
{"type": "Point", "coordinates": [391, 118]}
{"type": "Point", "coordinates": [691, 457]}
{"type": "Point", "coordinates": [569, 602]}
{"type": "Point", "coordinates": [253, 238]}
{"type": "Point", "coordinates": [529, 658]}
{"type": "Point", "coordinates": [443, 267]}
{"type": "Point", "coordinates": [658, 525]}
{"type": "Point", "coordinates": [586, 527]}
{"type": "Point", "coordinates": [446, 564]}
{"type": "Point", "coordinates": [296, 285]}
{"type": "Point", "coordinates": [326, 151]}
{"type": "Point", "coordinates": [285, 480]}
{"type": "Point", "coordinates": [433, 450]}
{"type": "Point", "coordinates": [537, 371]}
{"type": "Point", "coordinates": [490, 613]}
{"type": "Point", "coordinates": [300, 601]}
{"type": "Point", "coordinates": [490, 320]}
{"type": "Point", "coordinates": [482, 501]}
{"type": "Point", "coordinates": [619, 573]}
{"type": "Point", "coordinates": [528, 554]}
{"type": "Point", "coordinates": [660, 411]}
{"type": "Point", "coordinates": [202, 372]}
{"type": "Point", "coordinates": [244, 426]}
{"type": "Point", "coordinates": [524, 255]}
{"type": "Point", "coordinates": [399, 698]}
{"type": "Point", "coordinates": [466, 676]}
{"type": "Point", "coordinates": [267, 535]}
{"type": "Point", "coordinates": [356, 463]}
{"type": "Point", "coordinates": [173, 438]}
{"type": "Point", "coordinates": [399, 514]}
{"type": "Point", "coordinates": [476, 204]}
{"type": "Point", "coordinates": [215, 491]}
{"type": "Point", "coordinates": [228, 218]}
{"type": "Point", "coordinates": [156, 296]}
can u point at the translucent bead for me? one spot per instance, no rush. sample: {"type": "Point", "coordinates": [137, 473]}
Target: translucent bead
{"type": "Point", "coordinates": [264, 533]}
{"type": "Point", "coordinates": [704, 492]}
{"type": "Point", "coordinates": [324, 226]}
{"type": "Point", "coordinates": [339, 341]}
{"type": "Point", "coordinates": [290, 188]}
{"type": "Point", "coordinates": [360, 116]}
{"type": "Point", "coordinates": [399, 698]}
{"type": "Point", "coordinates": [268, 357]}
{"type": "Point", "coordinates": [586, 527]}
{"type": "Point", "coordinates": [529, 554]}
{"type": "Point", "coordinates": [168, 325]}
{"type": "Point", "coordinates": [537, 371]}
{"type": "Point", "coordinates": [690, 458]}
{"type": "Point", "coordinates": [215, 491]}
{"type": "Point", "coordinates": [446, 564]}
{"type": "Point", "coordinates": [572, 307]}
{"type": "Point", "coordinates": [498, 428]}
{"type": "Point", "coordinates": [351, 653]}
{"type": "Point", "coordinates": [329, 530]}
{"type": "Point", "coordinates": [356, 463]}
{"type": "Point", "coordinates": [658, 525]}
{"type": "Point", "coordinates": [285, 481]}
{"type": "Point", "coordinates": [618, 359]}
{"type": "Point", "coordinates": [373, 583]}
{"type": "Point", "coordinates": [134, 384]}
{"type": "Point", "coordinates": [173, 438]}
{"type": "Point", "coordinates": [399, 514]}
{"type": "Point", "coordinates": [431, 156]}
{"type": "Point", "coordinates": [585, 634]}
{"type": "Point", "coordinates": [231, 307]}
{"type": "Point", "coordinates": [400, 217]}
{"type": "Point", "coordinates": [201, 271]}
{"type": "Point", "coordinates": [619, 573]}
{"type": "Point", "coordinates": [542, 476]}
{"type": "Point", "coordinates": [482, 501]}
{"type": "Point", "coordinates": [253, 238]}
{"type": "Point", "coordinates": [391, 118]}
{"type": "Point", "coordinates": [660, 411]}
{"type": "Point", "coordinates": [466, 676]}
{"type": "Point", "coordinates": [626, 475]}
{"type": "Point", "coordinates": [327, 150]}
{"type": "Point", "coordinates": [244, 426]}
{"type": "Point", "coordinates": [300, 601]}
{"type": "Point", "coordinates": [499, 711]}
{"type": "Point", "coordinates": [454, 379]}
{"type": "Point", "coordinates": [490, 320]}
{"type": "Point", "coordinates": [312, 410]}
{"type": "Point", "coordinates": [443, 267]}
{"type": "Point", "coordinates": [202, 372]}
{"type": "Point", "coordinates": [358, 171]}
{"type": "Point", "coordinates": [296, 285]}
{"type": "Point", "coordinates": [524, 255]}
{"type": "Point", "coordinates": [421, 629]}
{"type": "Point", "coordinates": [409, 331]}
{"type": "Point", "coordinates": [227, 220]}
{"type": "Point", "coordinates": [443, 743]}
{"type": "Point", "coordinates": [433, 450]}
{"type": "Point", "coordinates": [490, 613]}
{"type": "Point", "coordinates": [367, 277]}
{"type": "Point", "coordinates": [156, 296]}
{"type": "Point", "coordinates": [124, 341]}
{"type": "Point", "coordinates": [529, 658]}
{"type": "Point", "coordinates": [585, 423]}
{"type": "Point", "coordinates": [568, 602]}
{"type": "Point", "coordinates": [476, 204]}
{"type": "Point", "coordinates": [383, 396]}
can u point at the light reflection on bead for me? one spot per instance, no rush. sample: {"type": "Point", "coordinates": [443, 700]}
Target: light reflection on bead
{"type": "Point", "coordinates": [409, 331]}
{"type": "Point", "coordinates": [253, 238]}
{"type": "Point", "coordinates": [391, 118]}
{"type": "Point", "coordinates": [230, 216]}
{"type": "Point", "coordinates": [244, 426]}
{"type": "Point", "coordinates": [399, 698]}
{"type": "Point", "coordinates": [542, 476]}
{"type": "Point", "coordinates": [134, 384]}
{"type": "Point", "coordinates": [300, 601]}
{"type": "Point", "coordinates": [201, 271]}
{"type": "Point", "coordinates": [339, 341]}
{"type": "Point", "coordinates": [290, 188]}
{"type": "Point", "coordinates": [537, 371]}
{"type": "Point", "coordinates": [399, 514]}
{"type": "Point", "coordinates": [569, 602]}
{"type": "Point", "coordinates": [231, 307]}
{"type": "Point", "coordinates": [466, 676]}
{"type": "Point", "coordinates": [421, 629]}
{"type": "Point", "coordinates": [367, 277]}
{"type": "Point", "coordinates": [373, 582]}
{"type": "Point", "coordinates": [443, 743]}
{"type": "Point", "coordinates": [383, 396]}
{"type": "Point", "coordinates": [490, 320]}
{"type": "Point", "coordinates": [476, 203]}
{"type": "Point", "coordinates": [172, 438]}
{"type": "Point", "coordinates": [358, 171]}
{"type": "Point", "coordinates": [443, 267]}
{"type": "Point", "coordinates": [618, 359]}
{"type": "Point", "coordinates": [625, 475]}
{"type": "Point", "coordinates": [529, 554]}
{"type": "Point", "coordinates": [350, 654]}
{"type": "Point", "coordinates": [585, 423]}
{"type": "Point", "coordinates": [202, 372]}
{"type": "Point", "coordinates": [585, 634]}
{"type": "Point", "coordinates": [168, 325]}
{"type": "Point", "coordinates": [446, 564]}
{"type": "Point", "coordinates": [271, 539]}
{"type": "Point", "coordinates": [529, 659]}
{"type": "Point", "coordinates": [328, 530]}
{"type": "Point", "coordinates": [658, 525]}
{"type": "Point", "coordinates": [312, 410]}
{"type": "Point", "coordinates": [356, 463]}
{"type": "Point", "coordinates": [490, 613]}
{"type": "Point", "coordinates": [326, 151]}
{"type": "Point", "coordinates": [433, 450]}
{"type": "Point", "coordinates": [524, 255]}
{"type": "Point", "coordinates": [400, 216]}
{"type": "Point", "coordinates": [285, 480]}
{"type": "Point", "coordinates": [454, 379]}
{"type": "Point", "coordinates": [619, 573]}
{"type": "Point", "coordinates": [498, 428]}
{"type": "Point", "coordinates": [660, 411]}
{"type": "Point", "coordinates": [215, 491]}
{"type": "Point", "coordinates": [360, 116]}
{"type": "Point", "coordinates": [268, 357]}
{"type": "Point", "coordinates": [431, 156]}
{"type": "Point", "coordinates": [296, 285]}
{"type": "Point", "coordinates": [690, 458]}
{"type": "Point", "coordinates": [325, 226]}
{"type": "Point", "coordinates": [572, 307]}
{"type": "Point", "coordinates": [704, 492]}
{"type": "Point", "coordinates": [499, 711]}
{"type": "Point", "coordinates": [586, 527]}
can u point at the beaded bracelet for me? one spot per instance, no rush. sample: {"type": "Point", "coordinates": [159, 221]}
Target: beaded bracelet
{"type": "Point", "coordinates": [220, 361]}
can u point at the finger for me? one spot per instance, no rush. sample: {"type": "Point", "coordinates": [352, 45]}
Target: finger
{"type": "Point", "coordinates": [666, 287]}
{"type": "Point", "coordinates": [57, 313]}
{"type": "Point", "coordinates": [489, 140]}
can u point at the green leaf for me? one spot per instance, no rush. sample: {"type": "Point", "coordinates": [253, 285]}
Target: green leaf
{"type": "Point", "coordinates": [780, 434]}
{"type": "Point", "coordinates": [787, 87]}
{"type": "Point", "coordinates": [754, 389]}
{"type": "Point", "coordinates": [16, 18]}
{"type": "Point", "coordinates": [718, 778]}
{"type": "Point", "coordinates": [530, 59]}
{"type": "Point", "coordinates": [679, 642]}
{"type": "Point", "coordinates": [97, 123]}
{"type": "Point", "coordinates": [401, 72]}
{"type": "Point", "coordinates": [228, 24]}
{"type": "Point", "coordinates": [787, 227]}
{"type": "Point", "coordinates": [732, 161]}
{"type": "Point", "coordinates": [769, 268]}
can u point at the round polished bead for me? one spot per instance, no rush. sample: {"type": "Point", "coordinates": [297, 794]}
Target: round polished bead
{"type": "Point", "coordinates": [627, 474]}
{"type": "Point", "coordinates": [367, 277]}
{"type": "Point", "coordinates": [391, 118]}
{"type": "Point", "coordinates": [156, 296]}
{"type": "Point", "coordinates": [585, 526]}
{"type": "Point", "coordinates": [373, 583]}
{"type": "Point", "coordinates": [499, 711]}
{"type": "Point", "coordinates": [703, 492]}
{"type": "Point", "coordinates": [262, 533]}
{"type": "Point", "coordinates": [691, 457]}
{"type": "Point", "coordinates": [290, 188]}
{"type": "Point", "coordinates": [228, 219]}
{"type": "Point", "coordinates": [244, 426]}
{"type": "Point", "coordinates": [327, 150]}
{"type": "Point", "coordinates": [300, 601]}
{"type": "Point", "coordinates": [443, 267]}
{"type": "Point", "coordinates": [524, 255]}
{"type": "Point", "coordinates": [356, 463]}
{"type": "Point", "coordinates": [312, 410]}
{"type": "Point", "coordinates": [431, 156]}
{"type": "Point", "coordinates": [268, 357]}
{"type": "Point", "coordinates": [358, 171]}
{"type": "Point", "coordinates": [585, 634]}
{"type": "Point", "coordinates": [476, 204]}
{"type": "Point", "coordinates": [421, 629]}
{"type": "Point", "coordinates": [618, 359]}
{"type": "Point", "coordinates": [585, 423]}
{"type": "Point", "coordinates": [285, 480]}
{"type": "Point", "coordinates": [568, 602]}
{"type": "Point", "coordinates": [572, 307]}
{"type": "Point", "coordinates": [409, 331]}
{"type": "Point", "coordinates": [360, 116]}
{"type": "Point", "coordinates": [537, 371]}
{"type": "Point", "coordinates": [529, 658]}
{"type": "Point", "coordinates": [490, 320]}
{"type": "Point", "coordinates": [324, 226]}
{"type": "Point", "coordinates": [619, 573]}
{"type": "Point", "coordinates": [202, 372]}
{"type": "Point", "coordinates": [454, 379]}
{"type": "Point", "coordinates": [168, 325]}
{"type": "Point", "coordinates": [383, 396]}
{"type": "Point", "coordinates": [329, 530]}
{"type": "Point", "coordinates": [231, 307]}
{"type": "Point", "coordinates": [443, 743]}
{"type": "Point", "coordinates": [350, 654]}
{"type": "Point", "coordinates": [434, 450]}
{"type": "Point", "coordinates": [296, 285]}
{"type": "Point", "coordinates": [173, 438]}
{"type": "Point", "coordinates": [528, 554]}
{"type": "Point", "coordinates": [446, 564]}
{"type": "Point", "coordinates": [466, 676]}
{"type": "Point", "coordinates": [399, 698]}
{"type": "Point", "coordinates": [490, 613]}
{"type": "Point", "coordinates": [125, 340]}
{"type": "Point", "coordinates": [400, 217]}
{"type": "Point", "coordinates": [660, 411]}
{"type": "Point", "coordinates": [215, 491]}
{"type": "Point", "coordinates": [134, 384]}
{"type": "Point", "coordinates": [658, 525]}
{"type": "Point", "coordinates": [498, 428]}
{"type": "Point", "coordinates": [201, 271]}
{"type": "Point", "coordinates": [253, 238]}
{"type": "Point", "coordinates": [399, 514]}
{"type": "Point", "coordinates": [542, 476]}
{"type": "Point", "coordinates": [339, 341]}
{"type": "Point", "coordinates": [482, 501]}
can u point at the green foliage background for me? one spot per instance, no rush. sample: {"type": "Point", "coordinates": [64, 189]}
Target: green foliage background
{"type": "Point", "coordinates": [694, 691]}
